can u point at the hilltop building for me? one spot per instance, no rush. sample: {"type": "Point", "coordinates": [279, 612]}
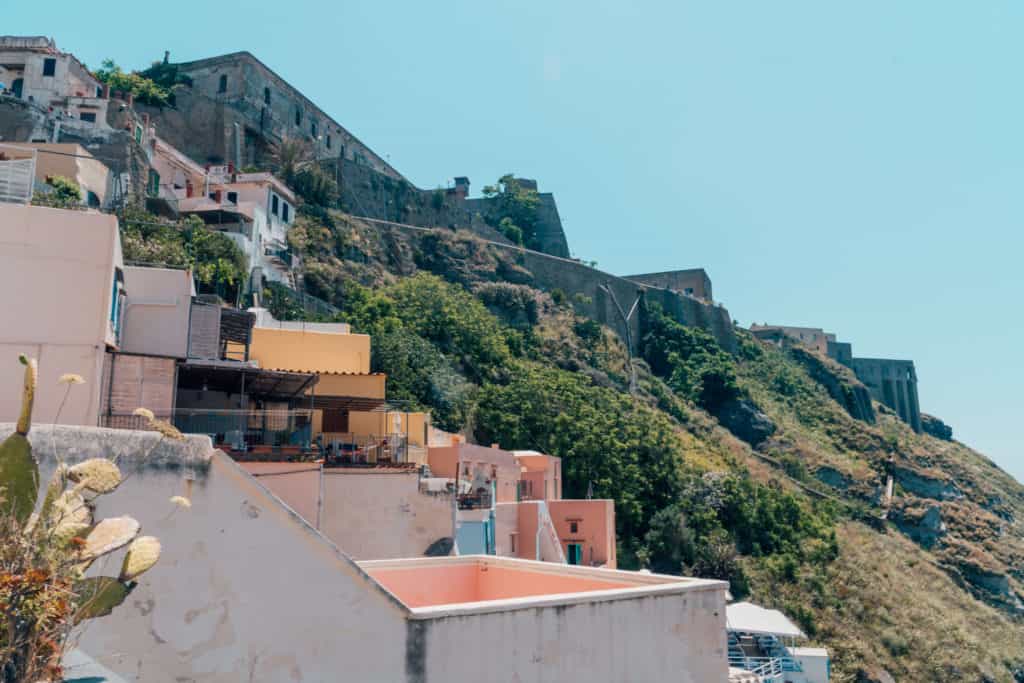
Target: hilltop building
{"type": "Point", "coordinates": [892, 383]}
{"type": "Point", "coordinates": [693, 282]}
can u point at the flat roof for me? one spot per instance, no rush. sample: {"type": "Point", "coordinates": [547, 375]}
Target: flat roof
{"type": "Point", "coordinates": [433, 587]}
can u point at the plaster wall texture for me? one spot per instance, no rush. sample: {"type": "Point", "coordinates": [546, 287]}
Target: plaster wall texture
{"type": "Point", "coordinates": [309, 351]}
{"type": "Point", "coordinates": [73, 161]}
{"type": "Point", "coordinates": [369, 514]}
{"type": "Point", "coordinates": [61, 266]}
{"type": "Point", "coordinates": [157, 305]}
{"type": "Point", "coordinates": [679, 638]}
{"type": "Point", "coordinates": [595, 528]}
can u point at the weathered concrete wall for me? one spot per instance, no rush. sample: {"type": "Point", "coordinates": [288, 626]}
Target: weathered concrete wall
{"type": "Point", "coordinates": [369, 514]}
{"type": "Point", "coordinates": [244, 590]}
{"type": "Point", "coordinates": [679, 638]}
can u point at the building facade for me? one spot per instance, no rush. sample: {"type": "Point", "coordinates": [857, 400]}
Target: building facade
{"type": "Point", "coordinates": [692, 282]}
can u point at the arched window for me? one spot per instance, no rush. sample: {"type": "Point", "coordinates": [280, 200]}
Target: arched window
{"type": "Point", "coordinates": [298, 116]}
{"type": "Point", "coordinates": [223, 85]}
{"type": "Point", "coordinates": [266, 95]}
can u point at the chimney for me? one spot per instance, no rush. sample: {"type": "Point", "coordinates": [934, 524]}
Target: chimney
{"type": "Point", "coordinates": [167, 56]}
{"type": "Point", "coordinates": [106, 91]}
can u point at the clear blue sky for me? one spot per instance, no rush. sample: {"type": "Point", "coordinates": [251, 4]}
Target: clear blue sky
{"type": "Point", "coordinates": [857, 167]}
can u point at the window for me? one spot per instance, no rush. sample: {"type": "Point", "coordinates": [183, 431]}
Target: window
{"type": "Point", "coordinates": [49, 66]}
{"type": "Point", "coordinates": [574, 527]}
{"type": "Point", "coordinates": [328, 141]}
{"type": "Point", "coordinates": [313, 128]}
{"type": "Point", "coordinates": [92, 199]}
{"type": "Point", "coordinates": [88, 116]}
{"type": "Point", "coordinates": [223, 85]}
{"type": "Point", "coordinates": [512, 543]}
{"type": "Point", "coordinates": [575, 553]}
{"type": "Point", "coordinates": [284, 211]}
{"type": "Point", "coordinates": [273, 204]}
{"type": "Point", "coordinates": [99, 91]}
{"type": "Point", "coordinates": [233, 197]}
{"type": "Point", "coordinates": [153, 183]}
{"type": "Point", "coordinates": [298, 116]}
{"type": "Point", "coordinates": [138, 134]}
{"type": "Point", "coordinates": [266, 96]}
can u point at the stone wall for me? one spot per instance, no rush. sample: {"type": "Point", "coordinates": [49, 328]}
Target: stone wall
{"type": "Point", "coordinates": [893, 383]}
{"type": "Point", "coordinates": [692, 281]}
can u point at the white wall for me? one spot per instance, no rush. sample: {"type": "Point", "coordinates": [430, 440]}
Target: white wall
{"type": "Point", "coordinates": [679, 638]}
{"type": "Point", "coordinates": [157, 311]}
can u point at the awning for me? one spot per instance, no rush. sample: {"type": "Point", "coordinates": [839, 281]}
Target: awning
{"type": "Point", "coordinates": [228, 376]}
{"type": "Point", "coordinates": [746, 617]}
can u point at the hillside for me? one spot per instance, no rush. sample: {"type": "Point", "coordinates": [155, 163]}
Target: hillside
{"type": "Point", "coordinates": [764, 467]}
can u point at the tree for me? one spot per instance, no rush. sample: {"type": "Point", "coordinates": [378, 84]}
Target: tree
{"type": "Point", "coordinates": [514, 210]}
{"type": "Point", "coordinates": [143, 89]}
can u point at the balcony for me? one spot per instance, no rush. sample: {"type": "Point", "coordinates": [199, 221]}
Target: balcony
{"type": "Point", "coordinates": [365, 450]}
{"type": "Point", "coordinates": [252, 434]}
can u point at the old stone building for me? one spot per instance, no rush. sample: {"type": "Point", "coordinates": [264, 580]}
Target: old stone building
{"type": "Point", "coordinates": [236, 109]}
{"type": "Point", "coordinates": [690, 282]}
{"type": "Point", "coordinates": [892, 383]}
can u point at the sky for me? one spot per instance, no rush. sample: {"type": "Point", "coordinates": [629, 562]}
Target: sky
{"type": "Point", "coordinates": [852, 166]}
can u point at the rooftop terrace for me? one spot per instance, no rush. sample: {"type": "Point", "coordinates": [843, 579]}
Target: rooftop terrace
{"type": "Point", "coordinates": [486, 583]}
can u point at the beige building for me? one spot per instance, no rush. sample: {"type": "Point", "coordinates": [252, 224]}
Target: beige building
{"type": "Point", "coordinates": [74, 162]}
{"type": "Point", "coordinates": [33, 69]}
{"type": "Point", "coordinates": [64, 281]}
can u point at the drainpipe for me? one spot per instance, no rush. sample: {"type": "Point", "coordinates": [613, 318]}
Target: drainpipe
{"type": "Point", "coordinates": [491, 545]}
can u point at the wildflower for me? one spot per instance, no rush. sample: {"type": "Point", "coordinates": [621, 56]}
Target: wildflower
{"type": "Point", "coordinates": [144, 412]}
{"type": "Point", "coordinates": [142, 554]}
{"type": "Point", "coordinates": [71, 378]}
{"type": "Point", "coordinates": [181, 501]}
{"type": "Point", "coordinates": [96, 474]}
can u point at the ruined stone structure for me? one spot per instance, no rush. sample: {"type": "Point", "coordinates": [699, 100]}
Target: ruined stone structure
{"type": "Point", "coordinates": [891, 382]}
{"type": "Point", "coordinates": [894, 383]}
{"type": "Point", "coordinates": [691, 282]}
{"type": "Point", "coordinates": [236, 109]}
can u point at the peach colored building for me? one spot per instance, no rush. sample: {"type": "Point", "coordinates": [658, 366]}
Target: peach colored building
{"type": "Point", "coordinates": [528, 517]}
{"type": "Point", "coordinates": [74, 162]}
{"type": "Point", "coordinates": [63, 275]}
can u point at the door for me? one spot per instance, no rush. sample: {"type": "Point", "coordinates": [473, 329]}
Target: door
{"type": "Point", "coordinates": [575, 553]}
{"type": "Point", "coordinates": [16, 87]}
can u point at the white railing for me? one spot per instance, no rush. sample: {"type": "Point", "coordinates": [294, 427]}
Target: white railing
{"type": "Point", "coordinates": [17, 174]}
{"type": "Point", "coordinates": [547, 527]}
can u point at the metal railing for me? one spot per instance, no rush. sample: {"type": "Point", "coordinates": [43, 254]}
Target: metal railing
{"type": "Point", "coordinates": [342, 449]}
{"type": "Point", "coordinates": [250, 430]}
{"type": "Point", "coordinates": [17, 175]}
{"type": "Point", "coordinates": [129, 421]}
{"type": "Point", "coordinates": [481, 500]}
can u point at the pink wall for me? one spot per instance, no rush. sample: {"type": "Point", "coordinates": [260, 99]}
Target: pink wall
{"type": "Point", "coordinates": [471, 582]}
{"type": "Point", "coordinates": [595, 528]}
{"type": "Point", "coordinates": [544, 472]}
{"type": "Point", "coordinates": [527, 548]}
{"type": "Point", "coordinates": [443, 459]}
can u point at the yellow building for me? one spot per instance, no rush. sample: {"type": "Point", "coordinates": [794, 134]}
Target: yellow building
{"type": "Point", "coordinates": [350, 411]}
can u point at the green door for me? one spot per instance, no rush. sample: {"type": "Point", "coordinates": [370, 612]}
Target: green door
{"type": "Point", "coordinates": [575, 555]}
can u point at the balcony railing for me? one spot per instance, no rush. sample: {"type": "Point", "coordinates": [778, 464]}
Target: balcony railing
{"type": "Point", "coordinates": [251, 431]}
{"type": "Point", "coordinates": [364, 450]}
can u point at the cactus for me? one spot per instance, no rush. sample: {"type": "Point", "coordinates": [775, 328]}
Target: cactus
{"type": "Point", "coordinates": [19, 472]}
{"type": "Point", "coordinates": [44, 555]}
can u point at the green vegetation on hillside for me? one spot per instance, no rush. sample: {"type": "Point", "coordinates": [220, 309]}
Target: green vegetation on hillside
{"type": "Point", "coordinates": [514, 211]}
{"type": "Point", "coordinates": [218, 264]}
